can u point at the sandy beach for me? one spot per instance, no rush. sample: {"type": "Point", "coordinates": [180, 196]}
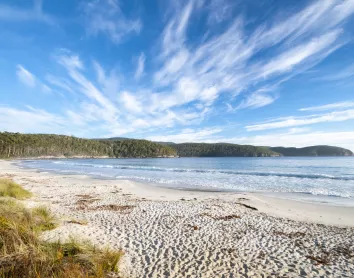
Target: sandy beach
{"type": "Point", "coordinates": [175, 233]}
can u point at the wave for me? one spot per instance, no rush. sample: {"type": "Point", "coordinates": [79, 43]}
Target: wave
{"type": "Point", "coordinates": [209, 171]}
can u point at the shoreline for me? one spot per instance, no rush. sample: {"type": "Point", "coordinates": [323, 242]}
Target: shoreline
{"type": "Point", "coordinates": [273, 203]}
{"type": "Point", "coordinates": [270, 203]}
{"type": "Point", "coordinates": [175, 233]}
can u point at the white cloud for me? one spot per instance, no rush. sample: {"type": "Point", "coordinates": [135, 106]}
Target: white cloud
{"type": "Point", "coordinates": [256, 100]}
{"type": "Point", "coordinates": [289, 59]}
{"type": "Point", "coordinates": [189, 74]}
{"type": "Point", "coordinates": [219, 10]}
{"type": "Point", "coordinates": [225, 61]}
{"type": "Point", "coordinates": [296, 130]}
{"type": "Point", "coordinates": [30, 120]}
{"type": "Point", "coordinates": [46, 88]}
{"type": "Point", "coordinates": [337, 116]}
{"type": "Point", "coordinates": [187, 135]}
{"type": "Point", "coordinates": [106, 16]}
{"type": "Point", "coordinates": [140, 67]}
{"type": "Point", "coordinates": [114, 112]}
{"type": "Point", "coordinates": [73, 65]}
{"type": "Point", "coordinates": [12, 13]}
{"type": "Point", "coordinates": [25, 76]}
{"type": "Point", "coordinates": [342, 74]}
{"type": "Point", "coordinates": [331, 106]}
{"type": "Point", "coordinates": [130, 102]}
{"type": "Point", "coordinates": [110, 82]}
{"type": "Point", "coordinates": [61, 83]}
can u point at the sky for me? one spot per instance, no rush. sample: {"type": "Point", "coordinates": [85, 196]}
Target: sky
{"type": "Point", "coordinates": [265, 72]}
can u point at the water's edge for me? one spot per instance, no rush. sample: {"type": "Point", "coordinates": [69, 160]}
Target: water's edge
{"type": "Point", "coordinates": [334, 185]}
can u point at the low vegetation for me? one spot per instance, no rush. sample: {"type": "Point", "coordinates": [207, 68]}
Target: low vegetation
{"type": "Point", "coordinates": [10, 189]}
{"type": "Point", "coordinates": [24, 254]}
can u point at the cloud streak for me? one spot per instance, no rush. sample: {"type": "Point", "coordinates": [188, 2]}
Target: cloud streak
{"type": "Point", "coordinates": [106, 16]}
{"type": "Point", "coordinates": [25, 76]}
{"type": "Point", "coordinates": [187, 76]}
{"type": "Point", "coordinates": [337, 116]}
{"type": "Point", "coordinates": [140, 67]}
{"type": "Point", "coordinates": [331, 106]}
{"type": "Point", "coordinates": [12, 13]}
{"type": "Point", "coordinates": [224, 63]}
{"type": "Point", "coordinates": [188, 135]}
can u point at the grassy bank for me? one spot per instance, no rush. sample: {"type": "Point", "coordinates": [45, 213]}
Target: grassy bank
{"type": "Point", "coordinates": [23, 254]}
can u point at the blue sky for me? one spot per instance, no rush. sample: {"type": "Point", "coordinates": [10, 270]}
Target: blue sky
{"type": "Point", "coordinates": [250, 72]}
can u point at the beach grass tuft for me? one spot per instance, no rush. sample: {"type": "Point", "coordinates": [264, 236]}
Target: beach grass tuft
{"type": "Point", "coordinates": [8, 188]}
{"type": "Point", "coordinates": [24, 254]}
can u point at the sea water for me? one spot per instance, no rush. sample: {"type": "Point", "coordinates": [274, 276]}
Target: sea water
{"type": "Point", "coordinates": [325, 179]}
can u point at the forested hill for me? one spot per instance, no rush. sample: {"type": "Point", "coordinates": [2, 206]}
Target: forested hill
{"type": "Point", "coordinates": [220, 150]}
{"type": "Point", "coordinates": [313, 151]}
{"type": "Point", "coordinates": [17, 145]}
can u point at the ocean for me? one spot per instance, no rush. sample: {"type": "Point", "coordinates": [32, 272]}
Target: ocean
{"type": "Point", "coordinates": [321, 179]}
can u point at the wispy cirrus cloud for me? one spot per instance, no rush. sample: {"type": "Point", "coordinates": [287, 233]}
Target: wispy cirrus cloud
{"type": "Point", "coordinates": [140, 67]}
{"type": "Point", "coordinates": [25, 76]}
{"type": "Point", "coordinates": [36, 13]}
{"type": "Point", "coordinates": [256, 100]}
{"type": "Point", "coordinates": [106, 16]}
{"type": "Point", "coordinates": [336, 116]}
{"type": "Point", "coordinates": [189, 75]}
{"type": "Point", "coordinates": [60, 83]}
{"type": "Point", "coordinates": [30, 80]}
{"type": "Point", "coordinates": [224, 62]}
{"type": "Point", "coordinates": [219, 10]}
{"type": "Point", "coordinates": [331, 106]}
{"type": "Point", "coordinates": [188, 135]}
{"type": "Point", "coordinates": [345, 73]}
{"type": "Point", "coordinates": [108, 108]}
{"type": "Point", "coordinates": [29, 120]}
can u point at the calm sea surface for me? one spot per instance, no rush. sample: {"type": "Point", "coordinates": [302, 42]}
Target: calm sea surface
{"type": "Point", "coordinates": [326, 179]}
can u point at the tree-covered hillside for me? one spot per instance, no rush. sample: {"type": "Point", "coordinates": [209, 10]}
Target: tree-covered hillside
{"type": "Point", "coordinates": [17, 145]}
{"type": "Point", "coordinates": [14, 145]}
{"type": "Point", "coordinates": [220, 150]}
{"type": "Point", "coordinates": [313, 151]}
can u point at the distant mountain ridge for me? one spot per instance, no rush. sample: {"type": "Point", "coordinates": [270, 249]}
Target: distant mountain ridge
{"type": "Point", "coordinates": [320, 150]}
{"type": "Point", "coordinates": [221, 150]}
{"type": "Point", "coordinates": [191, 149]}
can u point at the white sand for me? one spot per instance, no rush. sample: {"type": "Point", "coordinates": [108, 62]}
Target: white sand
{"type": "Point", "coordinates": [164, 236]}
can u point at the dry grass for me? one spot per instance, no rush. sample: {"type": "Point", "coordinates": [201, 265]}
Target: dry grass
{"type": "Point", "coordinates": [23, 254]}
{"type": "Point", "coordinates": [247, 206]}
{"type": "Point", "coordinates": [325, 260]}
{"type": "Point", "coordinates": [76, 221]}
{"type": "Point", "coordinates": [85, 200]}
{"type": "Point", "coordinates": [9, 188]}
